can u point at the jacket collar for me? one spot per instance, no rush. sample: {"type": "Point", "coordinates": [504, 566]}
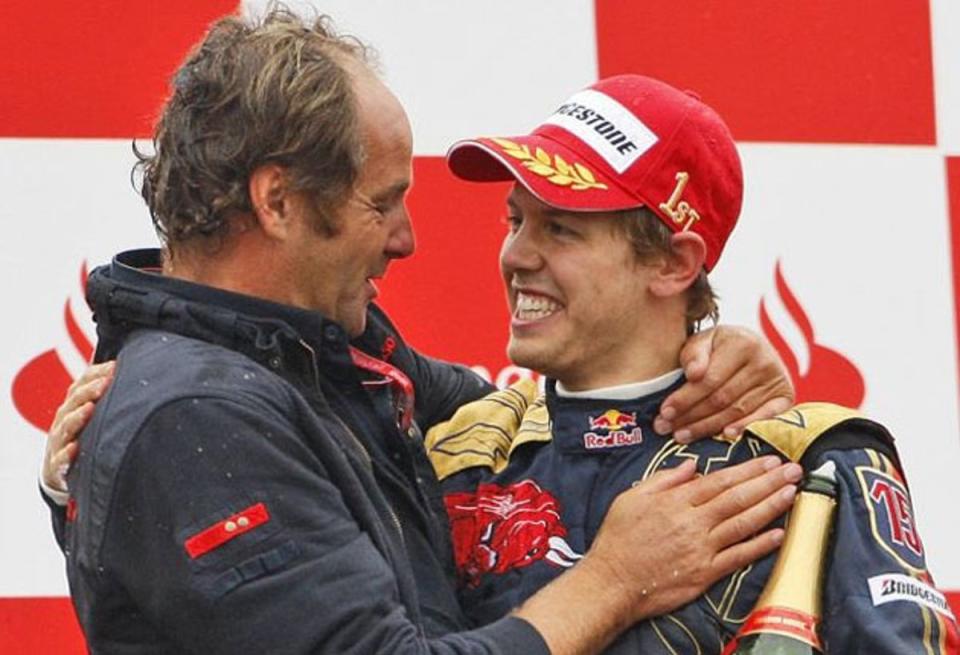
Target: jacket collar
{"type": "Point", "coordinates": [130, 294]}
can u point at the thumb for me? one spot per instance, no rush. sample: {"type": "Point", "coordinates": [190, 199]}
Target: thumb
{"type": "Point", "coordinates": [695, 354]}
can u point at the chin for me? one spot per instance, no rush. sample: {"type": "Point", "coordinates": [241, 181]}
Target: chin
{"type": "Point", "coordinates": [528, 355]}
{"type": "Point", "coordinates": [354, 326]}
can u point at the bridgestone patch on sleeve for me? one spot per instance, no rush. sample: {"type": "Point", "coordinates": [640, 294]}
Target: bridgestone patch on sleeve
{"type": "Point", "coordinates": [891, 587]}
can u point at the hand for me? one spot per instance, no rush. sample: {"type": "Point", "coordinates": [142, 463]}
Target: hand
{"type": "Point", "coordinates": [734, 377]}
{"type": "Point", "coordinates": [662, 544]}
{"type": "Point", "coordinates": [71, 417]}
{"type": "Point", "coordinates": [668, 539]}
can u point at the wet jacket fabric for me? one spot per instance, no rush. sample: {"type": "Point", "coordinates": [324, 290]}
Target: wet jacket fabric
{"type": "Point", "coordinates": [243, 487]}
{"type": "Point", "coordinates": [528, 478]}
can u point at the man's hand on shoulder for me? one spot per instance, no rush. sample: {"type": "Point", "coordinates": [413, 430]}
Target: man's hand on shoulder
{"type": "Point", "coordinates": [734, 377]}
{"type": "Point", "coordinates": [71, 418]}
{"type": "Point", "coordinates": [662, 544]}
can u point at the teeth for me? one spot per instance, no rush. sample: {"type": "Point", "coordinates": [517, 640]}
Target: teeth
{"type": "Point", "coordinates": [531, 308]}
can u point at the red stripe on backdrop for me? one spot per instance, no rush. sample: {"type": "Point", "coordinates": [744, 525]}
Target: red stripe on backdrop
{"type": "Point", "coordinates": [39, 625]}
{"type": "Point", "coordinates": [448, 299]}
{"type": "Point", "coordinates": [953, 193]}
{"type": "Point", "coordinates": [93, 69]}
{"type": "Point", "coordinates": [833, 71]}
{"type": "Point", "coordinates": [953, 597]}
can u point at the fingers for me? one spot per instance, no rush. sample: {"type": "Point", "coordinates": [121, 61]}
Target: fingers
{"type": "Point", "coordinates": [755, 518]}
{"type": "Point", "coordinates": [714, 485]}
{"type": "Point", "coordinates": [733, 399]}
{"type": "Point", "coordinates": [746, 508]}
{"type": "Point", "coordinates": [769, 409]}
{"type": "Point", "coordinates": [62, 446]}
{"type": "Point", "coordinates": [71, 426]}
{"type": "Point", "coordinates": [70, 454]}
{"type": "Point", "coordinates": [741, 554]}
{"type": "Point", "coordinates": [667, 479]}
{"type": "Point", "coordinates": [695, 354]}
{"type": "Point", "coordinates": [725, 380]}
{"type": "Point", "coordinates": [55, 467]}
{"type": "Point", "coordinates": [744, 380]}
{"type": "Point", "coordinates": [735, 404]}
{"type": "Point", "coordinates": [89, 387]}
{"type": "Point", "coordinates": [71, 417]}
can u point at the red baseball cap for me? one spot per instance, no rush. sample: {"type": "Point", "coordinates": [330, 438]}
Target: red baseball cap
{"type": "Point", "coordinates": [627, 141]}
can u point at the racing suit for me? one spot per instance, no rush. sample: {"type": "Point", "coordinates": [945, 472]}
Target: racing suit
{"type": "Point", "coordinates": [249, 483]}
{"type": "Point", "coordinates": [528, 477]}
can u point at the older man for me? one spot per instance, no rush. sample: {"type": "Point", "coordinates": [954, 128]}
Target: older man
{"type": "Point", "coordinates": [622, 203]}
{"type": "Point", "coordinates": [254, 479]}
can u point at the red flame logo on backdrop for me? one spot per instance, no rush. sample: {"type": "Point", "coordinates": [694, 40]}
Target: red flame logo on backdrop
{"type": "Point", "coordinates": [829, 376]}
{"type": "Point", "coordinates": [41, 385]}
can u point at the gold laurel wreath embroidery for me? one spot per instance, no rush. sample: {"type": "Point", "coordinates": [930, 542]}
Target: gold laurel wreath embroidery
{"type": "Point", "coordinates": [576, 176]}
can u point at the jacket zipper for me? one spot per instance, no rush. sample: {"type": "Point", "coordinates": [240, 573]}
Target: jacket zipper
{"type": "Point", "coordinates": [363, 449]}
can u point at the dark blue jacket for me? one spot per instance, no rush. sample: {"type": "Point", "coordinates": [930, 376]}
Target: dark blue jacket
{"type": "Point", "coordinates": [240, 490]}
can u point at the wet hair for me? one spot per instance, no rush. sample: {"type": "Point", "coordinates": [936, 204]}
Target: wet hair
{"type": "Point", "coordinates": [253, 92]}
{"type": "Point", "coordinates": [650, 239]}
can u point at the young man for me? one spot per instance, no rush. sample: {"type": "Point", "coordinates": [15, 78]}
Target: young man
{"type": "Point", "coordinates": [622, 203]}
{"type": "Point", "coordinates": [254, 480]}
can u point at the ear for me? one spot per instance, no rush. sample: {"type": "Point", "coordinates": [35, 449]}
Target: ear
{"type": "Point", "coordinates": [271, 197]}
{"type": "Point", "coordinates": [680, 268]}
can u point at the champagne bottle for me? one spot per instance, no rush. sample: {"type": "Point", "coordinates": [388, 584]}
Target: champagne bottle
{"type": "Point", "coordinates": [786, 617]}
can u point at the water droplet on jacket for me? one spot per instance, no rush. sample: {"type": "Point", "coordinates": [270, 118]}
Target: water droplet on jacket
{"type": "Point", "coordinates": [144, 383]}
{"type": "Point", "coordinates": [199, 449]}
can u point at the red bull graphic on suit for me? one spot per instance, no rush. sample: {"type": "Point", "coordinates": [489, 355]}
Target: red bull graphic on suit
{"type": "Point", "coordinates": [499, 528]}
{"type": "Point", "coordinates": [613, 429]}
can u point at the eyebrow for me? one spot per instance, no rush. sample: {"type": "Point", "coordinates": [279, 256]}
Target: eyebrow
{"type": "Point", "coordinates": [392, 191]}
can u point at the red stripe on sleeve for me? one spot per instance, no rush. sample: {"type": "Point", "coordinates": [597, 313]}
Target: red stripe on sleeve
{"type": "Point", "coordinates": [230, 528]}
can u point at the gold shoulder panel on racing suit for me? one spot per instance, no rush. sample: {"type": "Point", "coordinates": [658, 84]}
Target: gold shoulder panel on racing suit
{"type": "Point", "coordinates": [795, 430]}
{"type": "Point", "coordinates": [486, 431]}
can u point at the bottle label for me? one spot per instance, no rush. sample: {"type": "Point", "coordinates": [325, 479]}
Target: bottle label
{"type": "Point", "coordinates": [783, 621]}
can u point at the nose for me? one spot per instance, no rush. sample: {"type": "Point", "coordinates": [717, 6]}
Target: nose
{"type": "Point", "coordinates": [401, 242]}
{"type": "Point", "coordinates": [519, 252]}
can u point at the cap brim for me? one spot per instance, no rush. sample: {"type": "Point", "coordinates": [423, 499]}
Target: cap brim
{"type": "Point", "coordinates": [553, 173]}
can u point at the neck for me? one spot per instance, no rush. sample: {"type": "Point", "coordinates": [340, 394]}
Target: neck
{"type": "Point", "coordinates": [242, 262]}
{"type": "Point", "coordinates": [654, 352]}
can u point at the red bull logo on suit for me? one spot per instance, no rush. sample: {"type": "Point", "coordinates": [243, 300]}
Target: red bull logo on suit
{"type": "Point", "coordinates": [612, 429]}
{"type": "Point", "coordinates": [500, 528]}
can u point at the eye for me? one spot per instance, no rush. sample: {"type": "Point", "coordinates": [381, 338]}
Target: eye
{"type": "Point", "coordinates": [513, 223]}
{"type": "Point", "coordinates": [557, 228]}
